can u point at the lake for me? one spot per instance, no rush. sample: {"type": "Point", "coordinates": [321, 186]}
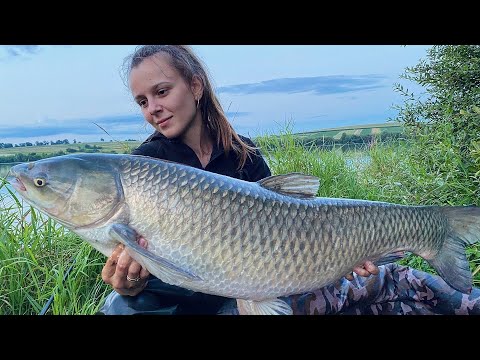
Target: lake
{"type": "Point", "coordinates": [5, 198]}
{"type": "Point", "coordinates": [3, 172]}
{"type": "Point", "coordinates": [4, 169]}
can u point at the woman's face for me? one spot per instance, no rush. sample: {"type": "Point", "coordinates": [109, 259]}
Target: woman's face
{"type": "Point", "coordinates": [168, 103]}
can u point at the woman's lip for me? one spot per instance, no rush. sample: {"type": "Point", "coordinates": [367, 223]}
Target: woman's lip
{"type": "Point", "coordinates": [164, 124]}
{"type": "Point", "coordinates": [163, 121]}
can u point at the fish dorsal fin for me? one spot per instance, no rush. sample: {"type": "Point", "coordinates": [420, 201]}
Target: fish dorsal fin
{"type": "Point", "coordinates": [293, 184]}
{"type": "Point", "coordinates": [265, 307]}
{"type": "Point", "coordinates": [128, 236]}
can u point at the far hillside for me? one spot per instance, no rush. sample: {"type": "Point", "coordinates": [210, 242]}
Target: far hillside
{"type": "Point", "coordinates": [357, 130]}
{"type": "Point", "coordinates": [354, 137]}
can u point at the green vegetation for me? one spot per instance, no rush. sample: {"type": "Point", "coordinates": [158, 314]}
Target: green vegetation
{"type": "Point", "coordinates": [32, 153]}
{"type": "Point", "coordinates": [35, 254]}
{"type": "Point", "coordinates": [363, 130]}
{"type": "Point", "coordinates": [349, 137]}
{"type": "Point", "coordinates": [445, 122]}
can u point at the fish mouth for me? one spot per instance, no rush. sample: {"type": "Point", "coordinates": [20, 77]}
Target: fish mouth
{"type": "Point", "coordinates": [16, 183]}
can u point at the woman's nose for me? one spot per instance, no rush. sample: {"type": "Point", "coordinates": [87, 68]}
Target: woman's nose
{"type": "Point", "coordinates": [154, 107]}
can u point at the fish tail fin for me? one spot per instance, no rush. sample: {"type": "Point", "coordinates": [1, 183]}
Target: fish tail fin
{"type": "Point", "coordinates": [266, 307]}
{"type": "Point", "coordinates": [451, 262]}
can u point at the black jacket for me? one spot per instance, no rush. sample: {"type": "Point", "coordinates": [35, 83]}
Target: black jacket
{"type": "Point", "coordinates": [159, 146]}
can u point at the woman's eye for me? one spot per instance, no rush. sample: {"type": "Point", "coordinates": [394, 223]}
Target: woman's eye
{"type": "Point", "coordinates": [162, 91]}
{"type": "Point", "coordinates": [142, 103]}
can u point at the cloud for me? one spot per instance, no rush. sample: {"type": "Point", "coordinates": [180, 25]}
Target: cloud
{"type": "Point", "coordinates": [320, 85]}
{"type": "Point", "coordinates": [112, 124]}
{"type": "Point", "coordinates": [20, 50]}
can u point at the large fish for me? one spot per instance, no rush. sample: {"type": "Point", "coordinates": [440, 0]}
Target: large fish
{"type": "Point", "coordinates": [253, 242]}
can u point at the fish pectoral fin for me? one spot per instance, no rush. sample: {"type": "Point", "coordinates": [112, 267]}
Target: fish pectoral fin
{"type": "Point", "coordinates": [390, 258]}
{"type": "Point", "coordinates": [128, 237]}
{"type": "Point", "coordinates": [265, 307]}
{"type": "Point", "coordinates": [293, 184]}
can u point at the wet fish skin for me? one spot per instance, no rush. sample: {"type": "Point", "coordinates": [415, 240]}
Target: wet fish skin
{"type": "Point", "coordinates": [250, 241]}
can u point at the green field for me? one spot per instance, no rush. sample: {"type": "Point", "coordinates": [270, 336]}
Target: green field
{"type": "Point", "coordinates": [359, 130]}
{"type": "Point", "coordinates": [105, 147]}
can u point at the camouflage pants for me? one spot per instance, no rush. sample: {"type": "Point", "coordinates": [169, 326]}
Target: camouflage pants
{"type": "Point", "coordinates": [396, 290]}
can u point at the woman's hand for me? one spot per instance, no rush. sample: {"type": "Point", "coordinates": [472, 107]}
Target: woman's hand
{"type": "Point", "coordinates": [367, 269]}
{"type": "Point", "coordinates": [126, 276]}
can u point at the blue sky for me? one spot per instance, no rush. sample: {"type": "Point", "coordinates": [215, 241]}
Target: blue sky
{"type": "Point", "coordinates": [60, 92]}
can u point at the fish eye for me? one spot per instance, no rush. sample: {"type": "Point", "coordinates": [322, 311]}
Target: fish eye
{"type": "Point", "coordinates": [39, 182]}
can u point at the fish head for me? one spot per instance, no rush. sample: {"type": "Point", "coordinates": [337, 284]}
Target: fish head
{"type": "Point", "coordinates": [77, 191]}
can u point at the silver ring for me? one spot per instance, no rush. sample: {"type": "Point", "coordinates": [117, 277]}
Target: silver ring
{"type": "Point", "coordinates": [133, 280]}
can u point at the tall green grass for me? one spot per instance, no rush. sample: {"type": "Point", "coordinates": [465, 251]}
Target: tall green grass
{"type": "Point", "coordinates": [36, 253]}
{"type": "Point", "coordinates": [386, 172]}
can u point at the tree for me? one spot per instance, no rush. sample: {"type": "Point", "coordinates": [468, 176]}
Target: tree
{"type": "Point", "coordinates": [445, 121]}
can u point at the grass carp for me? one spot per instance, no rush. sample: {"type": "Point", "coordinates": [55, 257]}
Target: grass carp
{"type": "Point", "coordinates": [254, 242]}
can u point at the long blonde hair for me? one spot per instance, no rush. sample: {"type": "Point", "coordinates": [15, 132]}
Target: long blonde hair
{"type": "Point", "coordinates": [189, 66]}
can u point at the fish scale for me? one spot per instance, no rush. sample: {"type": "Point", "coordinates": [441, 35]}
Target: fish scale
{"type": "Point", "coordinates": [250, 241]}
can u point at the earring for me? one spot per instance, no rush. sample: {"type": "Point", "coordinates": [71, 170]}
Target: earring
{"type": "Point", "coordinates": [198, 102]}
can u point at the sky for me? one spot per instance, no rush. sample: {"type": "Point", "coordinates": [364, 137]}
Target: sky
{"type": "Point", "coordinates": [58, 92]}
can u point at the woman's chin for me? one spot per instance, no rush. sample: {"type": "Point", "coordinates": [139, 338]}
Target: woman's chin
{"type": "Point", "coordinates": [169, 133]}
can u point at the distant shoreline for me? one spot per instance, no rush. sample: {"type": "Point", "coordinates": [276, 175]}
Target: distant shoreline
{"type": "Point", "coordinates": [347, 137]}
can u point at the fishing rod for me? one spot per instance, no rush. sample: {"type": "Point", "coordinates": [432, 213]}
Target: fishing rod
{"type": "Point", "coordinates": [49, 302]}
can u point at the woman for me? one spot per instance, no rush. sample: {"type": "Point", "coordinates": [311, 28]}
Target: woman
{"type": "Point", "coordinates": [173, 90]}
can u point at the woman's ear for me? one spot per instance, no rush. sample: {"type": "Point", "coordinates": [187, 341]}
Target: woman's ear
{"type": "Point", "coordinates": [197, 87]}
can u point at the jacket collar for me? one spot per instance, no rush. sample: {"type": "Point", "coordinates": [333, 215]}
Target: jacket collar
{"type": "Point", "coordinates": [217, 150]}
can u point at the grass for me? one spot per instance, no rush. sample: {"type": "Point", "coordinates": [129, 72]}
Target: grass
{"type": "Point", "coordinates": [36, 253]}
{"type": "Point", "coordinates": [389, 175]}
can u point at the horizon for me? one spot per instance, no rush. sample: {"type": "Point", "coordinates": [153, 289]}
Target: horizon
{"type": "Point", "coordinates": [106, 139]}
